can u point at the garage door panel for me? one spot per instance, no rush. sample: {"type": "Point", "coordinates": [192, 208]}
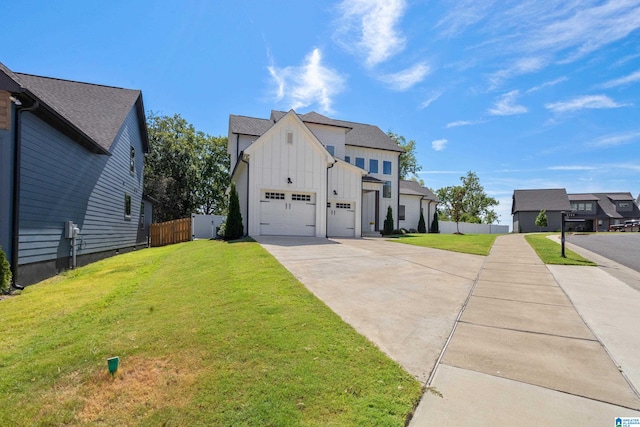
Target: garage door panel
{"type": "Point", "coordinates": [287, 214]}
{"type": "Point", "coordinates": [341, 217]}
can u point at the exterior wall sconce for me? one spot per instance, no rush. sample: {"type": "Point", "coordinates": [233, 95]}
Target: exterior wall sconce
{"type": "Point", "coordinates": [335, 193]}
{"type": "Point", "coordinates": [289, 181]}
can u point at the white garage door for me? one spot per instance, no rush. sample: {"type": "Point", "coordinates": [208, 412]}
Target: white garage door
{"type": "Point", "coordinates": [287, 214]}
{"type": "Point", "coordinates": [341, 219]}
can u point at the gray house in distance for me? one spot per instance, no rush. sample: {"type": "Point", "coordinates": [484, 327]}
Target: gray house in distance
{"type": "Point", "coordinates": [71, 171]}
{"type": "Point", "coordinates": [602, 210]}
{"type": "Point", "coordinates": [527, 204]}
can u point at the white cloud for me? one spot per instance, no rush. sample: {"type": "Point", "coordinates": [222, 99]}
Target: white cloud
{"type": "Point", "coordinates": [631, 78]}
{"type": "Point", "coordinates": [584, 102]}
{"type": "Point", "coordinates": [519, 67]}
{"type": "Point", "coordinates": [465, 14]}
{"type": "Point", "coordinates": [307, 84]}
{"type": "Point", "coordinates": [434, 96]}
{"type": "Point", "coordinates": [616, 139]}
{"type": "Point", "coordinates": [439, 144]}
{"type": "Point", "coordinates": [404, 79]}
{"type": "Point", "coordinates": [571, 168]}
{"type": "Point", "coordinates": [506, 105]}
{"type": "Point", "coordinates": [369, 26]}
{"type": "Point", "coordinates": [464, 123]}
{"type": "Point", "coordinates": [547, 84]}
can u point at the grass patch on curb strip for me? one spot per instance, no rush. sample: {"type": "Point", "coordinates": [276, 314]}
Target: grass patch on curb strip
{"type": "Point", "coordinates": [208, 333]}
{"type": "Point", "coordinates": [549, 251]}
{"type": "Point", "coordinates": [476, 244]}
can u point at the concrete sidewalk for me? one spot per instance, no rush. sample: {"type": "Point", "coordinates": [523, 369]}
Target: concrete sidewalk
{"type": "Point", "coordinates": [520, 350]}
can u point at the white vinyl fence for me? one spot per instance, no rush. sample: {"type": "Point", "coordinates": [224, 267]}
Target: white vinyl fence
{"type": "Point", "coordinates": [205, 226]}
{"type": "Point", "coordinates": [449, 227]}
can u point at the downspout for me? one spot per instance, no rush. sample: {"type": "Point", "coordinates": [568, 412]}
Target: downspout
{"type": "Point", "coordinates": [15, 220]}
{"type": "Point", "coordinates": [237, 146]}
{"type": "Point", "coordinates": [248, 176]}
{"type": "Point", "coordinates": [398, 201]}
{"type": "Point", "coordinates": [326, 216]}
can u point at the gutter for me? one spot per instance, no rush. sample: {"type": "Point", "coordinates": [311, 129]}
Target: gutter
{"type": "Point", "coordinates": [326, 216]}
{"type": "Point", "coordinates": [248, 176]}
{"type": "Point", "coordinates": [15, 214]}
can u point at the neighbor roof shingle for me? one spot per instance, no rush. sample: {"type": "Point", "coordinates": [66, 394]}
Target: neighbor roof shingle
{"type": "Point", "coordinates": [414, 188]}
{"type": "Point", "coordinates": [98, 111]}
{"type": "Point", "coordinates": [535, 200]}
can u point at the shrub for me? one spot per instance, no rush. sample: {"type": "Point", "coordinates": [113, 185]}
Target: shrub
{"type": "Point", "coordinates": [422, 227]}
{"type": "Point", "coordinates": [434, 225]}
{"type": "Point", "coordinates": [233, 227]}
{"type": "Point", "coordinates": [5, 273]}
{"type": "Point", "coordinates": [388, 222]}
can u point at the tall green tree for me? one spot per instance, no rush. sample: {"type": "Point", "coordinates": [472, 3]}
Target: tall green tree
{"type": "Point", "coordinates": [476, 206]}
{"type": "Point", "coordinates": [233, 227]}
{"type": "Point", "coordinates": [186, 171]}
{"type": "Point", "coordinates": [452, 203]}
{"type": "Point", "coordinates": [409, 165]}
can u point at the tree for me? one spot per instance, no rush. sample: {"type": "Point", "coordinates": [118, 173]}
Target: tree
{"type": "Point", "coordinates": [541, 219]}
{"type": "Point", "coordinates": [409, 165]}
{"type": "Point", "coordinates": [388, 222]}
{"type": "Point", "coordinates": [434, 224]}
{"type": "Point", "coordinates": [233, 228]}
{"type": "Point", "coordinates": [186, 171]}
{"type": "Point", "coordinates": [214, 176]}
{"type": "Point", "coordinates": [476, 205]}
{"type": "Point", "coordinates": [422, 228]}
{"type": "Point", "coordinates": [452, 201]}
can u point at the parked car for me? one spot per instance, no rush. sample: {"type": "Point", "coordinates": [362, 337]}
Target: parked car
{"type": "Point", "coordinates": [616, 227]}
{"type": "Point", "coordinates": [631, 225]}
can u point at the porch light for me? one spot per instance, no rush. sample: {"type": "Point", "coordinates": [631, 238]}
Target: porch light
{"type": "Point", "coordinates": [289, 181]}
{"type": "Point", "coordinates": [335, 193]}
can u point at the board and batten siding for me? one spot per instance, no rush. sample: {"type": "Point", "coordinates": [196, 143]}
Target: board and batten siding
{"type": "Point", "coordinates": [329, 135]}
{"type": "Point", "coordinates": [411, 211]}
{"type": "Point", "coordinates": [273, 161]}
{"type": "Point", "coordinates": [62, 181]}
{"type": "Point", "coordinates": [381, 156]}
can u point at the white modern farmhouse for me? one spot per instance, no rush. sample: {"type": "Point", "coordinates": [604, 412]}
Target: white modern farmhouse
{"type": "Point", "coordinates": [309, 175]}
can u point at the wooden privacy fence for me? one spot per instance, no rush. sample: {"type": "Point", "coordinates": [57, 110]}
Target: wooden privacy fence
{"type": "Point", "coordinates": [170, 232]}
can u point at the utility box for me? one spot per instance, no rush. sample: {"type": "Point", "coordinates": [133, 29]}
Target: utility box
{"type": "Point", "coordinates": [71, 230]}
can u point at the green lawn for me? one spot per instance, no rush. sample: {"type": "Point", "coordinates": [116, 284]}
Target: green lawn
{"type": "Point", "coordinates": [550, 251]}
{"type": "Point", "coordinates": [208, 333]}
{"type": "Point", "coordinates": [477, 244]}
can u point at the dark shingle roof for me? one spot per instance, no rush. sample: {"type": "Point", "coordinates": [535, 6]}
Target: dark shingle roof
{"type": "Point", "coordinates": [358, 134]}
{"type": "Point", "coordinates": [414, 188]}
{"type": "Point", "coordinates": [249, 125]}
{"type": "Point", "coordinates": [98, 111]}
{"type": "Point", "coordinates": [536, 200]}
{"type": "Point", "coordinates": [619, 196]}
{"type": "Point", "coordinates": [582, 197]}
{"type": "Point", "coordinates": [94, 113]}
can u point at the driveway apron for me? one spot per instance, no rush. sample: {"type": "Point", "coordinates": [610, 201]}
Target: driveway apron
{"type": "Point", "coordinates": [403, 298]}
{"type": "Point", "coordinates": [520, 351]}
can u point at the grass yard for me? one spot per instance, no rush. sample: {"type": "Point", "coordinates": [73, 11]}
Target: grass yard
{"type": "Point", "coordinates": [477, 244]}
{"type": "Point", "coordinates": [208, 333]}
{"type": "Point", "coordinates": [549, 251]}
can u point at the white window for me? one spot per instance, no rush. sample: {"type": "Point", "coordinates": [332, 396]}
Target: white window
{"type": "Point", "coordinates": [132, 161]}
{"type": "Point", "coordinates": [274, 196]}
{"type": "Point", "coordinates": [301, 197]}
{"type": "Point", "coordinates": [343, 205]}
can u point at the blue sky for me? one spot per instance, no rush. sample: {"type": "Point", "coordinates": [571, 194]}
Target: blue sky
{"type": "Point", "coordinates": [527, 94]}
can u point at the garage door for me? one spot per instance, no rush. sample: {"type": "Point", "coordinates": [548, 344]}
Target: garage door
{"type": "Point", "coordinates": [287, 214]}
{"type": "Point", "coordinates": [341, 219]}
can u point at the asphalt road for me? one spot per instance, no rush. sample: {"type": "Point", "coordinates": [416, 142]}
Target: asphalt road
{"type": "Point", "coordinates": [623, 248]}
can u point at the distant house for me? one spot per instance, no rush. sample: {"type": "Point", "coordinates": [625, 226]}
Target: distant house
{"type": "Point", "coordinates": [71, 158]}
{"type": "Point", "coordinates": [310, 175]}
{"type": "Point", "coordinates": [415, 199]}
{"type": "Point", "coordinates": [601, 210]}
{"type": "Point", "coordinates": [527, 204]}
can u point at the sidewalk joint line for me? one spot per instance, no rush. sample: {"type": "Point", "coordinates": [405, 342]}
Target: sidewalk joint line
{"type": "Point", "coordinates": [529, 332]}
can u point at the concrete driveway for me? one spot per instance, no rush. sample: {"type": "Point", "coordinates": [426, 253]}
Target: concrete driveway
{"type": "Point", "coordinates": [502, 337]}
{"type": "Point", "coordinates": [403, 298]}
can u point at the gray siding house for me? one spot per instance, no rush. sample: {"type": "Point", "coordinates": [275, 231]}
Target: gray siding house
{"type": "Point", "coordinates": [601, 210]}
{"type": "Point", "coordinates": [70, 152]}
{"type": "Point", "coordinates": [527, 204]}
